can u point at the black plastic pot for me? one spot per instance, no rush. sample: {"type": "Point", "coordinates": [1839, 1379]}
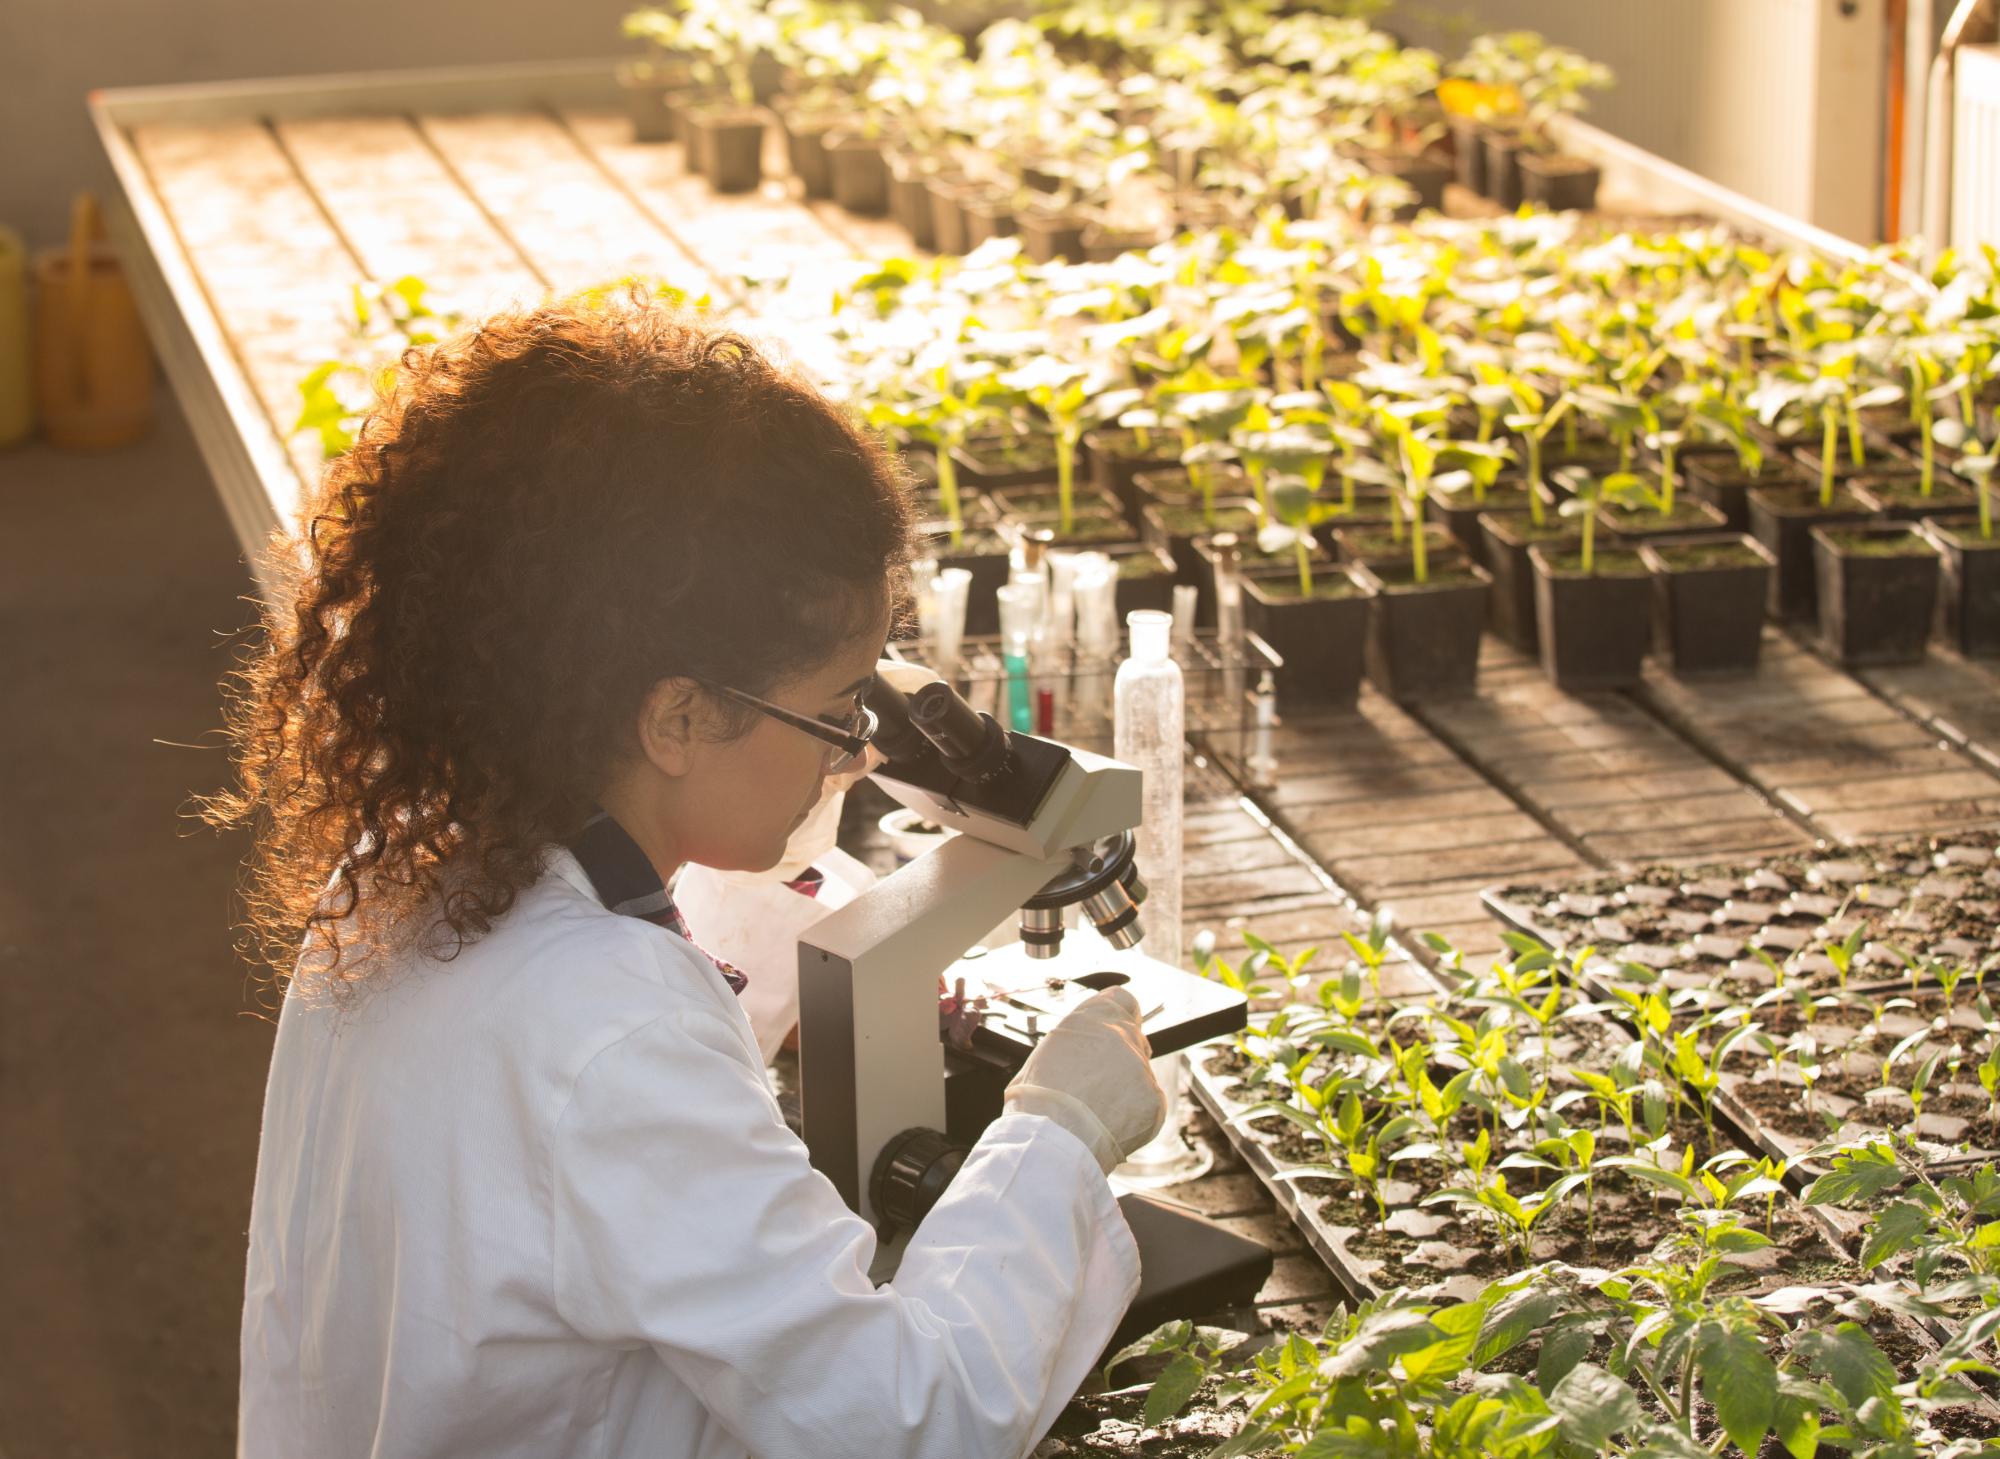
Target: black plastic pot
{"type": "Point", "coordinates": [684, 109]}
{"type": "Point", "coordinates": [1557, 182]}
{"type": "Point", "coordinates": [1052, 237]}
{"type": "Point", "coordinates": [731, 146]}
{"type": "Point", "coordinates": [1171, 486]}
{"type": "Point", "coordinates": [1503, 167]}
{"type": "Point", "coordinates": [1782, 518]}
{"type": "Point", "coordinates": [805, 151]}
{"type": "Point", "coordinates": [1039, 498]}
{"type": "Point", "coordinates": [1468, 153]}
{"type": "Point", "coordinates": [1643, 524]}
{"type": "Point", "coordinates": [910, 201]}
{"type": "Point", "coordinates": [947, 215]}
{"type": "Point", "coordinates": [1899, 497]}
{"type": "Point", "coordinates": [1423, 638]}
{"type": "Point", "coordinates": [1708, 601]}
{"type": "Point", "coordinates": [1146, 578]}
{"type": "Point", "coordinates": [1102, 245]}
{"type": "Point", "coordinates": [995, 462]}
{"type": "Point", "coordinates": [1377, 542]}
{"type": "Point", "coordinates": [1595, 625]}
{"type": "Point", "coordinates": [1093, 528]}
{"type": "Point", "coordinates": [1459, 513]}
{"type": "Point", "coordinates": [1724, 484]}
{"type": "Point", "coordinates": [1514, 614]}
{"type": "Point", "coordinates": [1806, 454]}
{"type": "Point", "coordinates": [1176, 531]}
{"type": "Point", "coordinates": [647, 88]}
{"type": "Point", "coordinates": [1116, 460]}
{"type": "Point", "coordinates": [987, 216]}
{"type": "Point", "coordinates": [1422, 173]}
{"type": "Point", "coordinates": [860, 175]}
{"type": "Point", "coordinates": [1321, 639]}
{"type": "Point", "coordinates": [1878, 591]}
{"type": "Point", "coordinates": [1970, 587]}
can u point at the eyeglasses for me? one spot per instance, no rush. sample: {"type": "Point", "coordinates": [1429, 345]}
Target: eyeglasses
{"type": "Point", "coordinates": [847, 741]}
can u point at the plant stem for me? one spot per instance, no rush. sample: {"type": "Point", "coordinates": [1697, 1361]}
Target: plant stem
{"type": "Point", "coordinates": [1419, 562]}
{"type": "Point", "coordinates": [1829, 445]}
{"type": "Point", "coordinates": [947, 470]}
{"type": "Point", "coordinates": [1667, 480]}
{"type": "Point", "coordinates": [1589, 542]}
{"type": "Point", "coordinates": [1066, 478]}
{"type": "Point", "coordinates": [1305, 567]}
{"type": "Point", "coordinates": [1535, 480]}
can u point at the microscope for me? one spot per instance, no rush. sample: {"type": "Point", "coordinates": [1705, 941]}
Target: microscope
{"type": "Point", "coordinates": [891, 1110]}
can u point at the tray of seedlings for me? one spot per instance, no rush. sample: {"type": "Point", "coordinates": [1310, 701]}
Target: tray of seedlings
{"type": "Point", "coordinates": [1547, 1227]}
{"type": "Point", "coordinates": [1854, 918]}
{"type": "Point", "coordinates": [1440, 1142]}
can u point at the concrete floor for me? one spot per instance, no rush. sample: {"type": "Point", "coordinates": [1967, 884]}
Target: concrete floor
{"type": "Point", "coordinates": [132, 1048]}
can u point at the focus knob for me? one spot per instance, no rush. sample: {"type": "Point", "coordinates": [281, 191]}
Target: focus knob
{"type": "Point", "coordinates": [911, 1173]}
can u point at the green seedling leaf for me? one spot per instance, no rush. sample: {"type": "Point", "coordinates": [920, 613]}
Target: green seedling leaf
{"type": "Point", "coordinates": [1740, 1380]}
{"type": "Point", "coordinates": [1514, 1319]}
{"type": "Point", "coordinates": [1849, 1358]}
{"type": "Point", "coordinates": [1562, 1350]}
{"type": "Point", "coordinates": [1173, 1389]}
{"type": "Point", "coordinates": [1594, 1405]}
{"type": "Point", "coordinates": [1797, 1425]}
{"type": "Point", "coordinates": [1382, 1338]}
{"type": "Point", "coordinates": [1447, 1357]}
{"type": "Point", "coordinates": [1895, 1230]}
{"type": "Point", "coordinates": [1856, 1177]}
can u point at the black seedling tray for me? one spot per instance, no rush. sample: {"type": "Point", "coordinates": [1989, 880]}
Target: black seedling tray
{"type": "Point", "coordinates": [1313, 1204]}
{"type": "Point", "coordinates": [1934, 898]}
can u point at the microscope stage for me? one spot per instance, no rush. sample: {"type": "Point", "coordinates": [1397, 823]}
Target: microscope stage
{"type": "Point", "coordinates": [1027, 996]}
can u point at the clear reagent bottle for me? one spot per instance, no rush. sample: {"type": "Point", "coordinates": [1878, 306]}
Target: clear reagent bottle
{"type": "Point", "coordinates": [1149, 733]}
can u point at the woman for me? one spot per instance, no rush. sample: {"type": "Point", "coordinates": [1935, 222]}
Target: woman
{"type": "Point", "coordinates": [593, 596]}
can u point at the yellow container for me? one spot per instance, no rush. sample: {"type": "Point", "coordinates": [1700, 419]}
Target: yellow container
{"type": "Point", "coordinates": [17, 404]}
{"type": "Point", "coordinates": [93, 365]}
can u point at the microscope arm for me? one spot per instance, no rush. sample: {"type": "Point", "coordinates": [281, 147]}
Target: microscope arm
{"type": "Point", "coordinates": [870, 1062]}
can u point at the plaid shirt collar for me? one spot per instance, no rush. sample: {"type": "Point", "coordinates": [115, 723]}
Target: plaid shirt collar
{"type": "Point", "coordinates": [627, 883]}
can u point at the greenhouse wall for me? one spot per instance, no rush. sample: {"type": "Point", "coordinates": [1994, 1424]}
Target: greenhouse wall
{"type": "Point", "coordinates": [1781, 100]}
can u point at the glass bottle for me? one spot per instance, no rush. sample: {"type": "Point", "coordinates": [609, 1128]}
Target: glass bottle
{"type": "Point", "coordinates": [1149, 733]}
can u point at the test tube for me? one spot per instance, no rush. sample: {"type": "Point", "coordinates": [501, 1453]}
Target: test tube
{"type": "Point", "coordinates": [1262, 763]}
{"type": "Point", "coordinates": [1020, 603]}
{"type": "Point", "coordinates": [1062, 596]}
{"type": "Point", "coordinates": [1096, 590]}
{"type": "Point", "coordinates": [1228, 617]}
{"type": "Point", "coordinates": [1184, 601]}
{"type": "Point", "coordinates": [941, 618]}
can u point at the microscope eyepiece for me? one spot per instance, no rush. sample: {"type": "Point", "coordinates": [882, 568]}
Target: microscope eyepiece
{"type": "Point", "coordinates": [973, 745]}
{"type": "Point", "coordinates": [895, 736]}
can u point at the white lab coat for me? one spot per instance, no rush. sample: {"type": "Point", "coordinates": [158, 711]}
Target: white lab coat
{"type": "Point", "coordinates": [539, 1201]}
{"type": "Point", "coordinates": [754, 923]}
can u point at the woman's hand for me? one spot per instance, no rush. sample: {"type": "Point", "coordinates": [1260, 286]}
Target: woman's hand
{"type": "Point", "coordinates": [1093, 1075]}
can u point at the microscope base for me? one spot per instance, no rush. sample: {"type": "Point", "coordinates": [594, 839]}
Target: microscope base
{"type": "Point", "coordinates": [1189, 1266]}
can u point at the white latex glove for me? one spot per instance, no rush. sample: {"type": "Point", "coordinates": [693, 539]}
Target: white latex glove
{"type": "Point", "coordinates": [1093, 1075]}
{"type": "Point", "coordinates": [820, 830]}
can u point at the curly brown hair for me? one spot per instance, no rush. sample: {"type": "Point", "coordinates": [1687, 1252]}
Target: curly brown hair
{"type": "Point", "coordinates": [539, 520]}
